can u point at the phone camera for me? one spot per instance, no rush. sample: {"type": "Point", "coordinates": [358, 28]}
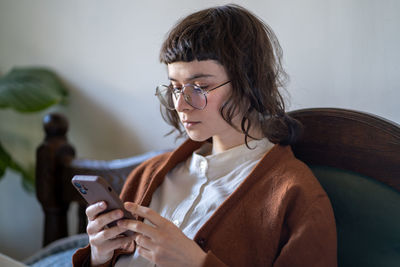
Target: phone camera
{"type": "Point", "coordinates": [78, 185]}
{"type": "Point", "coordinates": [83, 191]}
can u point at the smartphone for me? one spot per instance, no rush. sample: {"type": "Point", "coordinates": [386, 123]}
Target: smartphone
{"type": "Point", "coordinates": [95, 189]}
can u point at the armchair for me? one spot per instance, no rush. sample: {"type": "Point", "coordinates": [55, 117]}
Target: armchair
{"type": "Point", "coordinates": [355, 156]}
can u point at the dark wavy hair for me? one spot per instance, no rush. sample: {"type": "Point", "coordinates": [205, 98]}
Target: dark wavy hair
{"type": "Point", "coordinates": [251, 55]}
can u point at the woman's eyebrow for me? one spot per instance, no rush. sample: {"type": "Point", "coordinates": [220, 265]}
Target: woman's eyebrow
{"type": "Point", "coordinates": [195, 76]}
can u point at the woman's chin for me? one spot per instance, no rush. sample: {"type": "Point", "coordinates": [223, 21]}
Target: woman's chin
{"type": "Point", "coordinates": [197, 137]}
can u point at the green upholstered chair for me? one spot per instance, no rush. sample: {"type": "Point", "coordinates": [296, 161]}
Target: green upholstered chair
{"type": "Point", "coordinates": [356, 158]}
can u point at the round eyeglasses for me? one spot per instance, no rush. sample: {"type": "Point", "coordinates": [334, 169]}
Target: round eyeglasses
{"type": "Point", "coordinates": [193, 94]}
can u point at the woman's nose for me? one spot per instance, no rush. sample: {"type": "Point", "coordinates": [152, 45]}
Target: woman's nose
{"type": "Point", "coordinates": [181, 104]}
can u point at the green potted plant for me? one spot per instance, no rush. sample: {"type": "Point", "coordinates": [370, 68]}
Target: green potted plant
{"type": "Point", "coordinates": [27, 90]}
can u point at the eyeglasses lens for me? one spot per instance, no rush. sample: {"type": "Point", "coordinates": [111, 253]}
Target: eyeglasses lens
{"type": "Point", "coordinates": [192, 95]}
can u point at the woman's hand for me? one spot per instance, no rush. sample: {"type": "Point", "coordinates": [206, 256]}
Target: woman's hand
{"type": "Point", "coordinates": [161, 243]}
{"type": "Point", "coordinates": [103, 240]}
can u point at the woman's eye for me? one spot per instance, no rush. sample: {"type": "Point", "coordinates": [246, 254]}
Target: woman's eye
{"type": "Point", "coordinates": [176, 89]}
{"type": "Point", "coordinates": [199, 89]}
{"type": "Point", "coordinates": [203, 87]}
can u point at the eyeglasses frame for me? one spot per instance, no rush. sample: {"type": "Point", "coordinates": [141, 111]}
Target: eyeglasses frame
{"type": "Point", "coordinates": [181, 91]}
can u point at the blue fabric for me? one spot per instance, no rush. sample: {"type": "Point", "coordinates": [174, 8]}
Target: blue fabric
{"type": "Point", "coordinates": [62, 259]}
{"type": "Point", "coordinates": [58, 253]}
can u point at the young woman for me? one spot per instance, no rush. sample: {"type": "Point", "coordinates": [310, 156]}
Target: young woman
{"type": "Point", "coordinates": [233, 194]}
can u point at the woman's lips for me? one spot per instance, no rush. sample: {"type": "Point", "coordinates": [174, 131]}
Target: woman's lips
{"type": "Point", "coordinates": [190, 124]}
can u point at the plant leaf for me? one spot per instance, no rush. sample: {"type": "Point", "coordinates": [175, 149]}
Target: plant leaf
{"type": "Point", "coordinates": [31, 89]}
{"type": "Point", "coordinates": [6, 161]}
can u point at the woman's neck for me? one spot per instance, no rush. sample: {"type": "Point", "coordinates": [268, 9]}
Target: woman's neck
{"type": "Point", "coordinates": [221, 144]}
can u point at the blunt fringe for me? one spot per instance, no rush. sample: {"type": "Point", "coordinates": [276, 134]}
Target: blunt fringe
{"type": "Point", "coordinates": [250, 53]}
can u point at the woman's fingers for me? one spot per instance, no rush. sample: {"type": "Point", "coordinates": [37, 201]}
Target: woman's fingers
{"type": "Point", "coordinates": [159, 240]}
{"type": "Point", "coordinates": [145, 212]}
{"type": "Point", "coordinates": [144, 242]}
{"type": "Point", "coordinates": [93, 210]}
{"type": "Point", "coordinates": [113, 244]}
{"type": "Point", "coordinates": [138, 227]}
{"type": "Point", "coordinates": [156, 232]}
{"type": "Point", "coordinates": [104, 240]}
{"type": "Point", "coordinates": [111, 233]}
{"type": "Point", "coordinates": [145, 247]}
{"type": "Point", "coordinates": [98, 224]}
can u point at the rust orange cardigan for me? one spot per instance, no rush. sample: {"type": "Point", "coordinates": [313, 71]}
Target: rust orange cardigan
{"type": "Point", "coordinates": [278, 216]}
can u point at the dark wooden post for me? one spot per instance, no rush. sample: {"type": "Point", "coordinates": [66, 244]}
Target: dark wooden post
{"type": "Point", "coordinates": [51, 156]}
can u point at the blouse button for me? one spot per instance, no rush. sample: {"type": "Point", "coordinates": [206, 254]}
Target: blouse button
{"type": "Point", "coordinates": [203, 165]}
{"type": "Point", "coordinates": [201, 242]}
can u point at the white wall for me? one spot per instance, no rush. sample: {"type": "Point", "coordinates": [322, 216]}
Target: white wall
{"type": "Point", "coordinates": [339, 53]}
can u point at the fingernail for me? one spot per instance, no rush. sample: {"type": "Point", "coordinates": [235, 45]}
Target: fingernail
{"type": "Point", "coordinates": [102, 205]}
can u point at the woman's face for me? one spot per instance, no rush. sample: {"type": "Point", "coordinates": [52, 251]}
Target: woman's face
{"type": "Point", "coordinates": [208, 122]}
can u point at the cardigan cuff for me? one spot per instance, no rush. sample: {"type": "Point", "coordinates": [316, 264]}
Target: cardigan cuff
{"type": "Point", "coordinates": [82, 258]}
{"type": "Point", "coordinates": [212, 261]}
